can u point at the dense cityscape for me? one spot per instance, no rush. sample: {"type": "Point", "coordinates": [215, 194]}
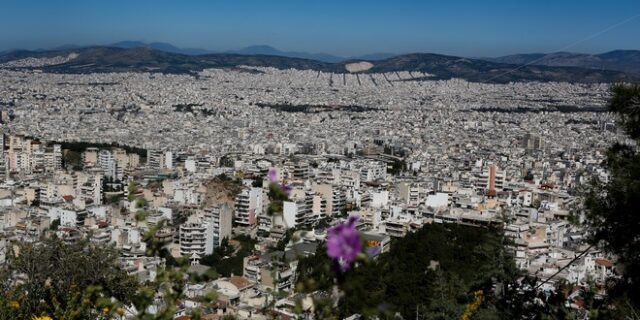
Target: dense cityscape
{"type": "Point", "coordinates": [319, 160]}
{"type": "Point", "coordinates": [110, 157]}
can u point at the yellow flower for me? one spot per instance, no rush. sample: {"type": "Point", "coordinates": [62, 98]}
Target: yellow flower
{"type": "Point", "coordinates": [14, 304]}
{"type": "Point", "coordinates": [105, 310]}
{"type": "Point", "coordinates": [42, 318]}
{"type": "Point", "coordinates": [473, 307]}
{"type": "Point", "coordinates": [120, 311]}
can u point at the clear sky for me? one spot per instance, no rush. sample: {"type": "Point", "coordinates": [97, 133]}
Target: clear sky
{"type": "Point", "coordinates": [342, 27]}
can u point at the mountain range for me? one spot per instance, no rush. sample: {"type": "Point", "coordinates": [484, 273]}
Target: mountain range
{"type": "Point", "coordinates": [268, 50]}
{"type": "Point", "coordinates": [619, 60]}
{"type": "Point", "coordinates": [622, 60]}
{"type": "Point", "coordinates": [250, 50]}
{"type": "Point", "coordinates": [130, 56]}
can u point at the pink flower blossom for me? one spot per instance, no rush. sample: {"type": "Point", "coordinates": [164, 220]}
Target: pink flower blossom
{"type": "Point", "coordinates": [272, 175]}
{"type": "Point", "coordinates": [344, 244]}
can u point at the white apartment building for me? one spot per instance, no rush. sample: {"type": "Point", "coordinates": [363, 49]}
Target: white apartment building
{"type": "Point", "coordinates": [196, 240]}
{"type": "Point", "coordinates": [107, 162]}
{"type": "Point", "coordinates": [249, 204]}
{"type": "Point", "coordinates": [221, 218]}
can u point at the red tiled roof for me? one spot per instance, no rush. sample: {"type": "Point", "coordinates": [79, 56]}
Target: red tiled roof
{"type": "Point", "coordinates": [604, 262]}
{"type": "Point", "coordinates": [240, 282]}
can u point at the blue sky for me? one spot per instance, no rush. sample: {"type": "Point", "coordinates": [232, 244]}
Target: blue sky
{"type": "Point", "coordinates": [342, 27]}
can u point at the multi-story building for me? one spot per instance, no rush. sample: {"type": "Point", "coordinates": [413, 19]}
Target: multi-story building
{"type": "Point", "coordinates": [298, 212]}
{"type": "Point", "coordinates": [335, 198]}
{"type": "Point", "coordinates": [301, 170]}
{"type": "Point", "coordinates": [107, 163]}
{"type": "Point", "coordinates": [196, 240]}
{"type": "Point", "coordinates": [155, 159]}
{"type": "Point", "coordinates": [490, 179]}
{"type": "Point", "coordinates": [532, 142]}
{"type": "Point", "coordinates": [410, 193]}
{"type": "Point", "coordinates": [90, 188]}
{"type": "Point", "coordinates": [68, 216]}
{"type": "Point", "coordinates": [373, 170]}
{"type": "Point", "coordinates": [220, 217]}
{"type": "Point", "coordinates": [249, 204]}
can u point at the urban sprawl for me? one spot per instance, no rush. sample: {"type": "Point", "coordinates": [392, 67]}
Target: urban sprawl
{"type": "Point", "coordinates": [84, 154]}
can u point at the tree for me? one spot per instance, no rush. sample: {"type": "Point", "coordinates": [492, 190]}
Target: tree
{"type": "Point", "coordinates": [70, 281]}
{"type": "Point", "coordinates": [73, 159]}
{"type": "Point", "coordinates": [226, 260]}
{"type": "Point", "coordinates": [257, 183]}
{"type": "Point", "coordinates": [132, 188]}
{"type": "Point", "coordinates": [55, 223]}
{"type": "Point", "coordinates": [403, 280]}
{"type": "Point", "coordinates": [59, 279]}
{"type": "Point", "coordinates": [613, 208]}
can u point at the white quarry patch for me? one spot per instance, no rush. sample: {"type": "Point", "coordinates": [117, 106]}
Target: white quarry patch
{"type": "Point", "coordinates": [39, 62]}
{"type": "Point", "coordinates": [358, 66]}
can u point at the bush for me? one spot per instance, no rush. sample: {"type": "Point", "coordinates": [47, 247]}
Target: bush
{"type": "Point", "coordinates": [70, 281]}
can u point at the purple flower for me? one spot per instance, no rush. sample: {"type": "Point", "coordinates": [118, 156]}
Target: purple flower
{"type": "Point", "coordinates": [272, 175]}
{"type": "Point", "coordinates": [343, 244]}
{"type": "Point", "coordinates": [286, 188]}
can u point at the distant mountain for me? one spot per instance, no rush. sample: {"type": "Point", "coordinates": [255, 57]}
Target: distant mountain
{"type": "Point", "coordinates": [63, 47]}
{"type": "Point", "coordinates": [250, 50]}
{"type": "Point", "coordinates": [374, 56]}
{"type": "Point", "coordinates": [621, 60]}
{"type": "Point", "coordinates": [144, 59]}
{"type": "Point", "coordinates": [268, 50]}
{"type": "Point", "coordinates": [162, 46]}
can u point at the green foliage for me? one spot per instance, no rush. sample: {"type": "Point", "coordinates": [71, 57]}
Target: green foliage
{"type": "Point", "coordinates": [141, 202]}
{"type": "Point", "coordinates": [314, 272]}
{"type": "Point", "coordinates": [73, 159]}
{"type": "Point", "coordinates": [226, 260]}
{"type": "Point", "coordinates": [625, 102]}
{"type": "Point", "coordinates": [82, 280]}
{"type": "Point", "coordinates": [226, 161]}
{"type": "Point", "coordinates": [257, 183]}
{"type": "Point", "coordinates": [70, 281]}
{"type": "Point", "coordinates": [401, 280]}
{"type": "Point", "coordinates": [78, 147]}
{"type": "Point", "coordinates": [397, 166]}
{"type": "Point", "coordinates": [613, 207]}
{"type": "Point", "coordinates": [54, 224]}
{"type": "Point", "coordinates": [276, 196]}
{"type": "Point", "coordinates": [209, 275]}
{"type": "Point", "coordinates": [114, 199]}
{"type": "Point", "coordinates": [132, 188]}
{"type": "Point", "coordinates": [282, 243]}
{"type": "Point", "coordinates": [141, 215]}
{"type": "Point", "coordinates": [529, 176]}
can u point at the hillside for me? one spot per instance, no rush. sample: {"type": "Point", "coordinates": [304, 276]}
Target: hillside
{"type": "Point", "coordinates": [110, 59]}
{"type": "Point", "coordinates": [620, 60]}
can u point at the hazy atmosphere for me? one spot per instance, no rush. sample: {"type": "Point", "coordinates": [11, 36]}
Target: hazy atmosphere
{"type": "Point", "coordinates": [460, 27]}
